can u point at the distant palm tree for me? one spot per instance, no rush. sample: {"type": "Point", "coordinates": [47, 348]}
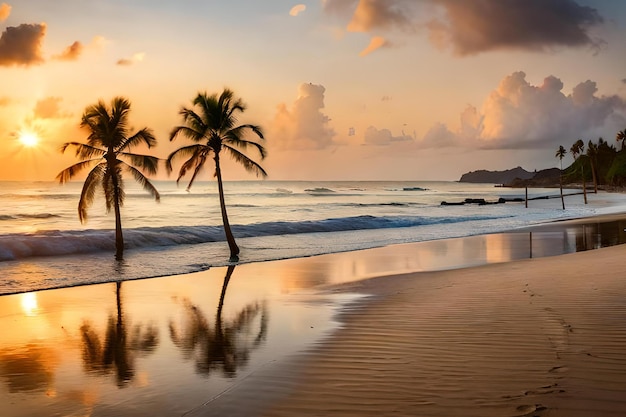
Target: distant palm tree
{"type": "Point", "coordinates": [592, 153]}
{"type": "Point", "coordinates": [212, 124]}
{"type": "Point", "coordinates": [108, 141]}
{"type": "Point", "coordinates": [560, 153]}
{"type": "Point", "coordinates": [577, 149]}
{"type": "Point", "coordinates": [621, 137]}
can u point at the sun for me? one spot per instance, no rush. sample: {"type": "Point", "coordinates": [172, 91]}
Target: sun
{"type": "Point", "coordinates": [28, 139]}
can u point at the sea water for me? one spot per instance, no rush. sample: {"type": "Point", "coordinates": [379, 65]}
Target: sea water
{"type": "Point", "coordinates": [43, 244]}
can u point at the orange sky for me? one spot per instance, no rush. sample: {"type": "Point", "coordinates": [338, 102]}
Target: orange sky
{"type": "Point", "coordinates": [345, 89]}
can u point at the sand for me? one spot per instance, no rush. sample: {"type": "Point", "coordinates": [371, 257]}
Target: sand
{"type": "Point", "coordinates": [535, 337]}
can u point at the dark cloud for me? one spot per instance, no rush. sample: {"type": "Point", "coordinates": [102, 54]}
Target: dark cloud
{"type": "Point", "coordinates": [474, 26]}
{"type": "Point", "coordinates": [624, 80]}
{"type": "Point", "coordinates": [71, 53]}
{"type": "Point", "coordinates": [21, 45]}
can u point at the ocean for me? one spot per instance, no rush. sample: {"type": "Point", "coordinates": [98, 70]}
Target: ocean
{"type": "Point", "coordinates": [43, 245]}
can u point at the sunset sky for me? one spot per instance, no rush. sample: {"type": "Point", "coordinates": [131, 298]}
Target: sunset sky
{"type": "Point", "coordinates": [345, 89]}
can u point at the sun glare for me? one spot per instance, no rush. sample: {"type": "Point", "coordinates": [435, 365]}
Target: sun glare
{"type": "Point", "coordinates": [28, 139]}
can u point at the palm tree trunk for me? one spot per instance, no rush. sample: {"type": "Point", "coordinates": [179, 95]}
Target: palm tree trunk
{"type": "Point", "coordinates": [119, 237]}
{"type": "Point", "coordinates": [584, 184]}
{"type": "Point", "coordinates": [234, 249]}
{"type": "Point", "coordinates": [595, 177]}
{"type": "Point", "coordinates": [561, 185]}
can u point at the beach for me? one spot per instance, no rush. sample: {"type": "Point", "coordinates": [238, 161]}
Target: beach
{"type": "Point", "coordinates": [535, 337]}
{"type": "Point", "coordinates": [346, 334]}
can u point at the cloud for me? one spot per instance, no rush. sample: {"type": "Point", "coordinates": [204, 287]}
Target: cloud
{"type": "Point", "coordinates": [373, 136]}
{"type": "Point", "coordinates": [380, 14]}
{"type": "Point", "coordinates": [377, 42]}
{"type": "Point", "coordinates": [21, 45]}
{"type": "Point", "coordinates": [48, 108]}
{"type": "Point", "coordinates": [4, 101]}
{"type": "Point", "coordinates": [297, 9]}
{"type": "Point", "coordinates": [472, 27]}
{"type": "Point", "coordinates": [624, 80]}
{"type": "Point", "coordinates": [304, 126]}
{"type": "Point", "coordinates": [519, 115]}
{"type": "Point", "coordinates": [439, 136]}
{"type": "Point", "coordinates": [71, 53]}
{"type": "Point", "coordinates": [5, 11]}
{"type": "Point", "coordinates": [136, 58]}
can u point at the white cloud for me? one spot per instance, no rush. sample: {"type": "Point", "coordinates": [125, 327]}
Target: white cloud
{"type": "Point", "coordinates": [304, 126]}
{"type": "Point", "coordinates": [373, 136]}
{"type": "Point", "coordinates": [519, 115]}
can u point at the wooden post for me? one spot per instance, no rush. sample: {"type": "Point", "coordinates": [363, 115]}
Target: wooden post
{"type": "Point", "coordinates": [526, 197]}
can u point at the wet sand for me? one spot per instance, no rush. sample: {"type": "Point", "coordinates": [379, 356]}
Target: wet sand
{"type": "Point", "coordinates": [534, 337]}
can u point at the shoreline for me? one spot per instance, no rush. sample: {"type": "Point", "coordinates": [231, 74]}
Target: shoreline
{"type": "Point", "coordinates": [532, 337]}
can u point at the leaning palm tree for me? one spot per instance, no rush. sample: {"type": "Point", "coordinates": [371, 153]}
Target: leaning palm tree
{"type": "Point", "coordinates": [621, 137]}
{"type": "Point", "coordinates": [212, 124]}
{"type": "Point", "coordinates": [107, 145]}
{"type": "Point", "coordinates": [560, 153]}
{"type": "Point", "coordinates": [577, 149]}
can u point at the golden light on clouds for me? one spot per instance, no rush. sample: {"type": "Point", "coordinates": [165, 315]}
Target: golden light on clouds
{"type": "Point", "coordinates": [5, 11]}
{"type": "Point", "coordinates": [376, 42]}
{"type": "Point", "coordinates": [297, 9]}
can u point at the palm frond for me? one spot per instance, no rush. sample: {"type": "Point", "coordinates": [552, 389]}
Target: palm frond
{"type": "Point", "coordinates": [188, 132]}
{"type": "Point", "coordinates": [89, 190]}
{"type": "Point", "coordinates": [83, 150]}
{"type": "Point", "coordinates": [182, 152]}
{"type": "Point", "coordinates": [148, 163]}
{"type": "Point", "coordinates": [145, 136]}
{"type": "Point", "coordinates": [199, 161]}
{"type": "Point", "coordinates": [69, 172]}
{"type": "Point", "coordinates": [141, 179]}
{"type": "Point", "coordinates": [234, 138]}
{"type": "Point", "coordinates": [247, 163]}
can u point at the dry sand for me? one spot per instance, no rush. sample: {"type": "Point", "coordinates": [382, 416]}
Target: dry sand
{"type": "Point", "coordinates": [537, 337]}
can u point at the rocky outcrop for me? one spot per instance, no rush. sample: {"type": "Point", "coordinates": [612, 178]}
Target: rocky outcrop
{"type": "Point", "coordinates": [497, 177]}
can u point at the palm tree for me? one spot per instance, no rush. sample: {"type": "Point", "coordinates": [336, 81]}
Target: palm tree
{"type": "Point", "coordinates": [212, 124]}
{"type": "Point", "coordinates": [560, 153]}
{"type": "Point", "coordinates": [592, 153]}
{"type": "Point", "coordinates": [108, 141]}
{"type": "Point", "coordinates": [621, 137]}
{"type": "Point", "coordinates": [577, 149]}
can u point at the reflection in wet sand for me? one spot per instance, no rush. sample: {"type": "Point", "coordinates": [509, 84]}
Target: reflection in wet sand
{"type": "Point", "coordinates": [117, 351]}
{"type": "Point", "coordinates": [226, 345]}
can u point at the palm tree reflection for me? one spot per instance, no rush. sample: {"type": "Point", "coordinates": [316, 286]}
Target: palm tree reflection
{"type": "Point", "coordinates": [226, 345]}
{"type": "Point", "coordinates": [121, 345]}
